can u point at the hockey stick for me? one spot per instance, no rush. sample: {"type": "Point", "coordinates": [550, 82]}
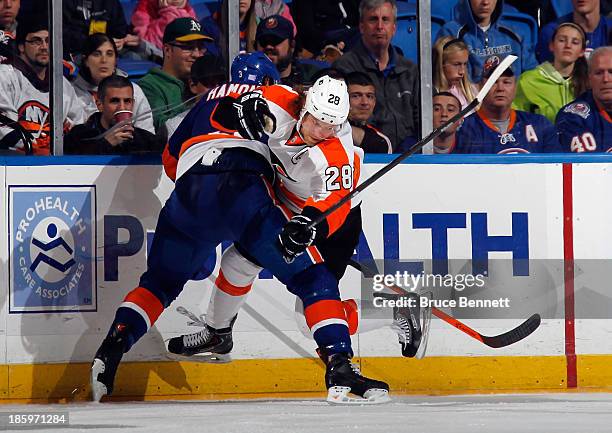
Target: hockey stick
{"type": "Point", "coordinates": [495, 341]}
{"type": "Point", "coordinates": [418, 146]}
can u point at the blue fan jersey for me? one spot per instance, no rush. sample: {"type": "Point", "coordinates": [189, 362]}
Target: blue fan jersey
{"type": "Point", "coordinates": [584, 126]}
{"type": "Point", "coordinates": [527, 133]}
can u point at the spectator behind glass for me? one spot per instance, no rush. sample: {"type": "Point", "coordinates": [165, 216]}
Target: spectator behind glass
{"type": "Point", "coordinates": [585, 125]}
{"type": "Point", "coordinates": [323, 22]}
{"type": "Point", "coordinates": [550, 86]}
{"type": "Point", "coordinates": [275, 38]}
{"type": "Point", "coordinates": [99, 60]}
{"type": "Point", "coordinates": [151, 17]}
{"type": "Point", "coordinates": [251, 13]}
{"type": "Point", "coordinates": [83, 18]}
{"type": "Point", "coordinates": [450, 64]}
{"type": "Point", "coordinates": [207, 72]}
{"type": "Point", "coordinates": [362, 97]}
{"type": "Point", "coordinates": [587, 15]}
{"type": "Point", "coordinates": [115, 94]}
{"type": "Point", "coordinates": [445, 106]}
{"type": "Point", "coordinates": [8, 28]}
{"type": "Point", "coordinates": [477, 22]}
{"type": "Point", "coordinates": [166, 86]}
{"type": "Point", "coordinates": [395, 78]}
{"type": "Point", "coordinates": [24, 92]}
{"type": "Point", "coordinates": [497, 128]}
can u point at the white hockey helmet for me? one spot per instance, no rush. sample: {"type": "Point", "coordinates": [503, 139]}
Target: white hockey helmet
{"type": "Point", "coordinates": [328, 100]}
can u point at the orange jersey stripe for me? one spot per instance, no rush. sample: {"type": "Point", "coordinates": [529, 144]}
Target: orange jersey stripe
{"type": "Point", "coordinates": [291, 196]}
{"type": "Point", "coordinates": [200, 138]}
{"type": "Point", "coordinates": [323, 310]}
{"type": "Point", "coordinates": [284, 209]}
{"type": "Point", "coordinates": [285, 98]}
{"type": "Point", "coordinates": [170, 163]}
{"type": "Point", "coordinates": [227, 287]}
{"type": "Point", "coordinates": [352, 315]}
{"type": "Point", "coordinates": [147, 301]}
{"type": "Point", "coordinates": [357, 171]}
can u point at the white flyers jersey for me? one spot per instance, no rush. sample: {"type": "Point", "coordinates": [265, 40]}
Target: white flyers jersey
{"type": "Point", "coordinates": [317, 176]}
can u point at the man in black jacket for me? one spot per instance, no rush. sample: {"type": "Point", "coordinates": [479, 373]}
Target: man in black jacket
{"type": "Point", "coordinates": [396, 79]}
{"type": "Point", "coordinates": [96, 137]}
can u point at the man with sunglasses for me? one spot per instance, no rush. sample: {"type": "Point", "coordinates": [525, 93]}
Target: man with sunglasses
{"type": "Point", "coordinates": [274, 38]}
{"type": "Point", "coordinates": [166, 86]}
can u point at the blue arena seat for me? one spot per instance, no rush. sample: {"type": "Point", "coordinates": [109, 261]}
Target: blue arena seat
{"type": "Point", "coordinates": [135, 68]}
{"type": "Point", "coordinates": [406, 36]}
{"type": "Point", "coordinates": [128, 8]}
{"type": "Point", "coordinates": [443, 9]}
{"type": "Point", "coordinates": [562, 7]}
{"type": "Point", "coordinates": [523, 24]}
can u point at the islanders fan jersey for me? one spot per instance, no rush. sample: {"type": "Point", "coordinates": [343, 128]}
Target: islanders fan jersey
{"type": "Point", "coordinates": [527, 133]}
{"type": "Point", "coordinates": [584, 126]}
{"type": "Point", "coordinates": [28, 105]}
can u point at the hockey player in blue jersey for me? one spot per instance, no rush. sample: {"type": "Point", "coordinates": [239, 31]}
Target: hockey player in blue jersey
{"type": "Point", "coordinates": [585, 125]}
{"type": "Point", "coordinates": [248, 71]}
{"type": "Point", "coordinates": [497, 128]}
{"type": "Point", "coordinates": [222, 192]}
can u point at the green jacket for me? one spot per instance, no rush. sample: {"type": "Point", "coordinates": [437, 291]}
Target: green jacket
{"type": "Point", "coordinates": [162, 90]}
{"type": "Point", "coordinates": [543, 91]}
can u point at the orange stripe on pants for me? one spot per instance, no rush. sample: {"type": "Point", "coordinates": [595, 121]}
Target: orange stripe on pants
{"type": "Point", "coordinates": [227, 287]}
{"type": "Point", "coordinates": [323, 310]}
{"type": "Point", "coordinates": [352, 315]}
{"type": "Point", "coordinates": [147, 301]}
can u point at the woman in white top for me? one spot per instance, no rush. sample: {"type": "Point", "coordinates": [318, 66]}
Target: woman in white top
{"type": "Point", "coordinates": [99, 60]}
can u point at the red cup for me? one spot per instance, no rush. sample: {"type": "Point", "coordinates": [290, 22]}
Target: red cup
{"type": "Point", "coordinates": [122, 115]}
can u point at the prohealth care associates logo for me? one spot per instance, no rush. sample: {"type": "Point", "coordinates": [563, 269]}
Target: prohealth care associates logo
{"type": "Point", "coordinates": [52, 241]}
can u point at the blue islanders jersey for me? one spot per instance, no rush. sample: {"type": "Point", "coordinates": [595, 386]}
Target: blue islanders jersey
{"type": "Point", "coordinates": [198, 122]}
{"type": "Point", "coordinates": [527, 133]}
{"type": "Point", "coordinates": [584, 126]}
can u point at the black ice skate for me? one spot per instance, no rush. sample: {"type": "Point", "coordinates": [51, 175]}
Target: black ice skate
{"type": "Point", "coordinates": [343, 377]}
{"type": "Point", "coordinates": [106, 361]}
{"type": "Point", "coordinates": [407, 324]}
{"type": "Point", "coordinates": [208, 345]}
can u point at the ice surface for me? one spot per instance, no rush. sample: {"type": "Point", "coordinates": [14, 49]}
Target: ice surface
{"type": "Point", "coordinates": [517, 413]}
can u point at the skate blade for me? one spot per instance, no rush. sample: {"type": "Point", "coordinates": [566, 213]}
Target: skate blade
{"type": "Point", "coordinates": [339, 395]}
{"type": "Point", "coordinates": [98, 389]}
{"type": "Point", "coordinates": [210, 358]}
{"type": "Point", "coordinates": [425, 326]}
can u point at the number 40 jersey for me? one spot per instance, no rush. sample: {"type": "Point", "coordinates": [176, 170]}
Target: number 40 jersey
{"type": "Point", "coordinates": [584, 126]}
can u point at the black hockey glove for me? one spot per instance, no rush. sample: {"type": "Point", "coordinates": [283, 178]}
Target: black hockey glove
{"type": "Point", "coordinates": [296, 236]}
{"type": "Point", "coordinates": [254, 116]}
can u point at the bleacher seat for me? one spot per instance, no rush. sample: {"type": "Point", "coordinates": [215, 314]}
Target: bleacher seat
{"type": "Point", "coordinates": [443, 9]}
{"type": "Point", "coordinates": [406, 36]}
{"type": "Point", "coordinates": [562, 7]}
{"type": "Point", "coordinates": [523, 24]}
{"type": "Point", "coordinates": [135, 69]}
{"type": "Point", "coordinates": [128, 8]}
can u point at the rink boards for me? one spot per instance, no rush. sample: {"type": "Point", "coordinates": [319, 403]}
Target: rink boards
{"type": "Point", "coordinates": [93, 218]}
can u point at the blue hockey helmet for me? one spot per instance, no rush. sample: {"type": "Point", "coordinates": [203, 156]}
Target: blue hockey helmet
{"type": "Point", "coordinates": [254, 68]}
